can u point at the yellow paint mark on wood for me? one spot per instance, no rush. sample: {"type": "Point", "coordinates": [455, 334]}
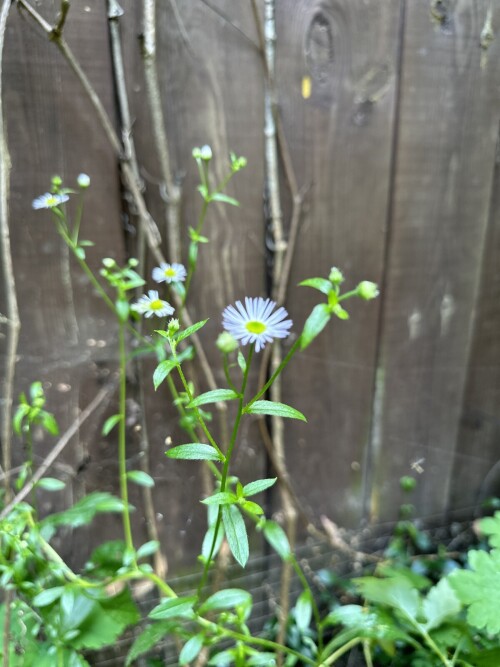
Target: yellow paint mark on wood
{"type": "Point", "coordinates": [306, 87]}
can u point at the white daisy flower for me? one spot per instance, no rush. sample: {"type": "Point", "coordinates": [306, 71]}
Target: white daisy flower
{"type": "Point", "coordinates": [169, 273]}
{"type": "Point", "coordinates": [256, 323]}
{"type": "Point", "coordinates": [150, 304]}
{"type": "Point", "coordinates": [49, 200]}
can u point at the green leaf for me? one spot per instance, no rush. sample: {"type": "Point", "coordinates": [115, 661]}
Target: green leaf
{"type": "Point", "coordinates": [110, 423]}
{"type": "Point", "coordinates": [50, 484]}
{"type": "Point", "coordinates": [173, 608]}
{"type": "Point", "coordinates": [275, 409]}
{"type": "Point", "coordinates": [303, 610]}
{"type": "Point", "coordinates": [181, 335]}
{"type": "Point", "coordinates": [251, 508]}
{"type": "Point", "coordinates": [162, 371]}
{"type": "Point", "coordinates": [79, 252]}
{"type": "Point", "coordinates": [147, 549]}
{"type": "Point", "coordinates": [48, 596]}
{"type": "Point", "coordinates": [320, 284]}
{"type": "Point", "coordinates": [276, 537]}
{"type": "Point", "coordinates": [223, 498]}
{"type": "Point", "coordinates": [49, 422]}
{"type": "Point", "coordinates": [395, 592]}
{"type": "Point", "coordinates": [21, 412]}
{"type": "Point", "coordinates": [479, 589]}
{"type": "Point", "coordinates": [122, 308]}
{"type": "Point", "coordinates": [440, 604]}
{"type": "Point", "coordinates": [75, 609]}
{"type": "Point", "coordinates": [236, 533]}
{"type": "Point", "coordinates": [490, 526]}
{"type": "Point", "coordinates": [110, 617]}
{"type": "Point", "coordinates": [315, 323]}
{"type": "Point", "coordinates": [149, 637]}
{"type": "Point", "coordinates": [84, 510]}
{"type": "Point", "coordinates": [194, 451]}
{"type": "Point", "coordinates": [208, 540]}
{"type": "Point", "coordinates": [258, 486]}
{"type": "Point", "coordinates": [220, 196]}
{"type": "Point", "coordinates": [229, 598]}
{"type": "Point", "coordinates": [242, 362]}
{"type": "Point", "coordinates": [191, 649]}
{"type": "Point", "coordinates": [141, 478]}
{"type": "Point", "coordinates": [214, 396]}
{"type": "Point", "coordinates": [340, 312]}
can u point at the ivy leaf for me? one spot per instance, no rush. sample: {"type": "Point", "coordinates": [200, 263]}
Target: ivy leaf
{"type": "Point", "coordinates": [194, 451]}
{"type": "Point", "coordinates": [236, 533]}
{"type": "Point", "coordinates": [440, 604]}
{"type": "Point", "coordinates": [479, 589]}
{"type": "Point", "coordinates": [274, 409]}
{"type": "Point", "coordinates": [315, 323]}
{"type": "Point", "coordinates": [214, 396]}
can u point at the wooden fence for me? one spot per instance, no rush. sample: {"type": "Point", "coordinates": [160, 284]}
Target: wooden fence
{"type": "Point", "coordinates": [390, 110]}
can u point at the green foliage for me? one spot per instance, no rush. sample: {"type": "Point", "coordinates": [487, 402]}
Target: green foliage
{"type": "Point", "coordinates": [274, 409]}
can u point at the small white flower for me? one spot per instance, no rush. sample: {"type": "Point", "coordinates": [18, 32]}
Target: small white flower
{"type": "Point", "coordinates": [256, 323]}
{"type": "Point", "coordinates": [150, 304]}
{"type": "Point", "coordinates": [49, 200]}
{"type": "Point", "coordinates": [169, 273]}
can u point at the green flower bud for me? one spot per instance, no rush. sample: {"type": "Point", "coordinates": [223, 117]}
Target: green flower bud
{"type": "Point", "coordinates": [56, 181]}
{"type": "Point", "coordinates": [206, 153]}
{"type": "Point", "coordinates": [109, 262]}
{"type": "Point", "coordinates": [196, 153]}
{"type": "Point", "coordinates": [407, 483]}
{"type": "Point", "coordinates": [226, 343]}
{"type": "Point", "coordinates": [367, 290]}
{"type": "Point", "coordinates": [133, 262]}
{"type": "Point", "coordinates": [173, 326]}
{"type": "Point", "coordinates": [336, 276]}
{"type": "Point", "coordinates": [83, 181]}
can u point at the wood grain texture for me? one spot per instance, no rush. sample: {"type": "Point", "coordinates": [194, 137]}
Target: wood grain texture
{"type": "Point", "coordinates": [340, 139]}
{"type": "Point", "coordinates": [445, 154]}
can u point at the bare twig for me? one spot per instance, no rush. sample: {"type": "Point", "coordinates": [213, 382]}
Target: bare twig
{"type": "Point", "coordinates": [56, 451]}
{"type": "Point", "coordinates": [12, 319]}
{"type": "Point", "coordinates": [172, 190]}
{"type": "Point", "coordinates": [61, 19]}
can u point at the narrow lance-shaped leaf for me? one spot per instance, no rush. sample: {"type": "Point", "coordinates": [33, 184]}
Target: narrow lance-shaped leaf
{"type": "Point", "coordinates": [181, 335]}
{"type": "Point", "coordinates": [321, 284]}
{"type": "Point", "coordinates": [194, 451]}
{"type": "Point", "coordinates": [315, 324]}
{"type": "Point", "coordinates": [236, 533]}
{"type": "Point", "coordinates": [277, 538]}
{"type": "Point", "coordinates": [274, 409]}
{"type": "Point", "coordinates": [162, 371]}
{"type": "Point", "coordinates": [258, 486]}
{"type": "Point", "coordinates": [214, 396]}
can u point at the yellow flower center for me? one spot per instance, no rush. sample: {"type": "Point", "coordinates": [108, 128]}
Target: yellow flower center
{"type": "Point", "coordinates": [157, 304]}
{"type": "Point", "coordinates": [255, 327]}
{"type": "Point", "coordinates": [52, 201]}
{"type": "Point", "coordinates": [170, 272]}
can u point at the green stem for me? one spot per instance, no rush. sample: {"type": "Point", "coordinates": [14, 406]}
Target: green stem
{"type": "Point", "coordinates": [273, 377]}
{"type": "Point", "coordinates": [340, 652]}
{"type": "Point", "coordinates": [367, 653]}
{"type": "Point", "coordinates": [225, 469]}
{"type": "Point", "coordinates": [122, 456]}
{"type": "Point", "coordinates": [258, 641]}
{"type": "Point", "coordinates": [347, 295]}
{"type": "Point", "coordinates": [196, 411]}
{"type": "Point", "coordinates": [227, 374]}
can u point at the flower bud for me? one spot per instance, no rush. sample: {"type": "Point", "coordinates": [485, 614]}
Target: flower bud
{"type": "Point", "coordinates": [173, 326]}
{"type": "Point", "coordinates": [83, 181]}
{"type": "Point", "coordinates": [206, 153]}
{"type": "Point", "coordinates": [336, 276]}
{"type": "Point", "coordinates": [367, 290]}
{"type": "Point", "coordinates": [226, 343]}
{"type": "Point", "coordinates": [109, 262]}
{"type": "Point", "coordinates": [133, 262]}
{"type": "Point", "coordinates": [56, 181]}
{"type": "Point", "coordinates": [196, 153]}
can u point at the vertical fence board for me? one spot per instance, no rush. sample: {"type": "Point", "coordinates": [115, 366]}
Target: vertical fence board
{"type": "Point", "coordinates": [341, 142]}
{"type": "Point", "coordinates": [446, 145]}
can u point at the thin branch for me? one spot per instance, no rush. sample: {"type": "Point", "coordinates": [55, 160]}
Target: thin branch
{"type": "Point", "coordinates": [56, 451]}
{"type": "Point", "coordinates": [172, 190]}
{"type": "Point", "coordinates": [12, 320]}
{"type": "Point", "coordinates": [57, 30]}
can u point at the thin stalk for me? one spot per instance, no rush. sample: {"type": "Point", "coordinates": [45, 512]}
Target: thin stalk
{"type": "Point", "coordinates": [225, 469]}
{"type": "Point", "coordinates": [340, 652]}
{"type": "Point", "coordinates": [367, 653]}
{"type": "Point", "coordinates": [122, 455]}
{"type": "Point", "coordinates": [273, 377]}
